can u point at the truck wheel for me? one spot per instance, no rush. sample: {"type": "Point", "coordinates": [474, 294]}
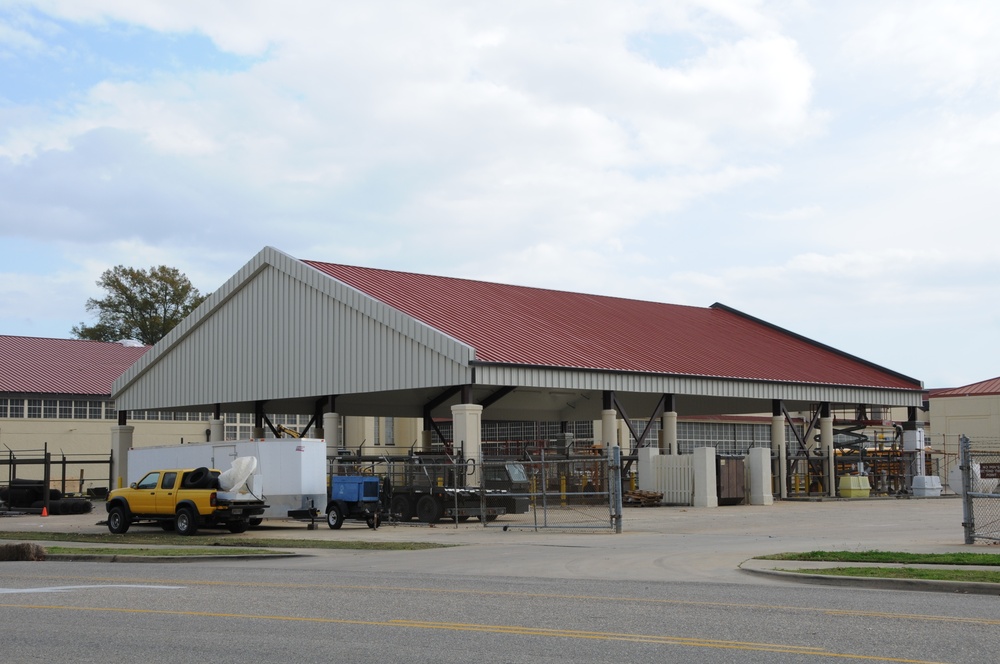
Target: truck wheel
{"type": "Point", "coordinates": [429, 509]}
{"type": "Point", "coordinates": [238, 526]}
{"type": "Point", "coordinates": [374, 522]}
{"type": "Point", "coordinates": [256, 521]}
{"type": "Point", "coordinates": [401, 505]}
{"type": "Point", "coordinates": [185, 522]}
{"type": "Point", "coordinates": [334, 517]}
{"type": "Point", "coordinates": [118, 521]}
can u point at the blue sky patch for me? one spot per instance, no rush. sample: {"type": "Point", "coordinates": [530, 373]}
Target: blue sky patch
{"type": "Point", "coordinates": [75, 57]}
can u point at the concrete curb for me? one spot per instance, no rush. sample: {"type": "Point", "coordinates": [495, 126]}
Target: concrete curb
{"type": "Point", "coordinates": [759, 567]}
{"type": "Point", "coordinates": [128, 558]}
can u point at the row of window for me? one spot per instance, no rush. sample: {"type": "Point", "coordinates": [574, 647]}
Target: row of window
{"type": "Point", "coordinates": [78, 409]}
{"type": "Point", "coordinates": [67, 409]}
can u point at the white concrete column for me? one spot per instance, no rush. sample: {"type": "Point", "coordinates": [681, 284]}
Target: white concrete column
{"type": "Point", "coordinates": [216, 430]}
{"type": "Point", "coordinates": [426, 443]}
{"type": "Point", "coordinates": [647, 476]}
{"type": "Point", "coordinates": [705, 491]}
{"type": "Point", "coordinates": [609, 428]}
{"type": "Point", "coordinates": [668, 432]}
{"type": "Point", "coordinates": [467, 419]}
{"type": "Point", "coordinates": [779, 446]}
{"type": "Point", "coordinates": [826, 444]}
{"type": "Point", "coordinates": [759, 462]}
{"type": "Point", "coordinates": [331, 432]}
{"type": "Point", "coordinates": [121, 443]}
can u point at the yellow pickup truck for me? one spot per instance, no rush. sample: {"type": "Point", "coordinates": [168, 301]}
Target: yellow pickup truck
{"type": "Point", "coordinates": [181, 500]}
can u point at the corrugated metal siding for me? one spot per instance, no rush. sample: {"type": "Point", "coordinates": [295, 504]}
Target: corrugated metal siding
{"type": "Point", "coordinates": [533, 326]}
{"type": "Point", "coordinates": [288, 332]}
{"type": "Point", "coordinates": [696, 386]}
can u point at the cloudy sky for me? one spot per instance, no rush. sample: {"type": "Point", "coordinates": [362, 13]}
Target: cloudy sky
{"type": "Point", "coordinates": [831, 167]}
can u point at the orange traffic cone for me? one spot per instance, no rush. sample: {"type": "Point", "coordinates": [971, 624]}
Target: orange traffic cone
{"type": "Point", "coordinates": [45, 511]}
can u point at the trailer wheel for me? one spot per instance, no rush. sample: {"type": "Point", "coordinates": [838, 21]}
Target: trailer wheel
{"type": "Point", "coordinates": [374, 522]}
{"type": "Point", "coordinates": [334, 517]}
{"type": "Point", "coordinates": [429, 509]}
{"type": "Point", "coordinates": [118, 521]}
{"type": "Point", "coordinates": [401, 505]}
{"type": "Point", "coordinates": [185, 522]}
{"type": "Point", "coordinates": [238, 526]}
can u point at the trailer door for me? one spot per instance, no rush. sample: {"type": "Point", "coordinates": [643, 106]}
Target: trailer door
{"type": "Point", "coordinates": [222, 456]}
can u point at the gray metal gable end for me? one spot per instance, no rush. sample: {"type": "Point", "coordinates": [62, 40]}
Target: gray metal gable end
{"type": "Point", "coordinates": [280, 329]}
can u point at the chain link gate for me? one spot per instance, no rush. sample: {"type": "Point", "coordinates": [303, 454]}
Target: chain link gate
{"type": "Point", "coordinates": [575, 493]}
{"type": "Point", "coordinates": [980, 487]}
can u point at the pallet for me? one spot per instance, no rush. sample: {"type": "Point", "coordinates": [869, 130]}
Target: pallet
{"type": "Point", "coordinates": [642, 498]}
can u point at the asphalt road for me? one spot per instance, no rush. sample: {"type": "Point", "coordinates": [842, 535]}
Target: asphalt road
{"type": "Point", "coordinates": [667, 590]}
{"type": "Point", "coordinates": [264, 612]}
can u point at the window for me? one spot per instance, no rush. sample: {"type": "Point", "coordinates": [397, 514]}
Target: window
{"type": "Point", "coordinates": [390, 431]}
{"type": "Point", "coordinates": [149, 481]}
{"type": "Point", "coordinates": [110, 413]}
{"type": "Point", "coordinates": [50, 409]}
{"type": "Point", "coordinates": [65, 409]}
{"type": "Point", "coordinates": [3, 408]}
{"type": "Point", "coordinates": [169, 479]}
{"type": "Point", "coordinates": [34, 408]}
{"type": "Point", "coordinates": [79, 410]}
{"type": "Point", "coordinates": [94, 410]}
{"type": "Point", "coordinates": [17, 407]}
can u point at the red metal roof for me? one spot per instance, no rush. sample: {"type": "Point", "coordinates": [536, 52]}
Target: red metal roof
{"type": "Point", "coordinates": [984, 388]}
{"type": "Point", "coordinates": [30, 365]}
{"type": "Point", "coordinates": [534, 326]}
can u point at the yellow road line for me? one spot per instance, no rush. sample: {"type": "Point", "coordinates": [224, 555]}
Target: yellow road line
{"type": "Point", "coordinates": [525, 595]}
{"type": "Point", "coordinates": [517, 630]}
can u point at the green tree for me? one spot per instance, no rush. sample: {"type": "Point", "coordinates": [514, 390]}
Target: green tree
{"type": "Point", "coordinates": [139, 305]}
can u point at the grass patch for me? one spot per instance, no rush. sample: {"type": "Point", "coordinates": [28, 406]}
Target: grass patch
{"type": "Point", "coordinates": [215, 540]}
{"type": "Point", "coordinates": [968, 575]}
{"type": "Point", "coordinates": [174, 553]}
{"type": "Point", "coordinates": [891, 557]}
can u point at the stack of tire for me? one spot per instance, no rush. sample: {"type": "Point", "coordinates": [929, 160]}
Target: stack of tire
{"type": "Point", "coordinates": [29, 495]}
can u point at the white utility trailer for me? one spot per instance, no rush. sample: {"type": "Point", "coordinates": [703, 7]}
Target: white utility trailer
{"type": "Point", "coordinates": [290, 475]}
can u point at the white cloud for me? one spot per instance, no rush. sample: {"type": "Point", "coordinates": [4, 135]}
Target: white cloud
{"type": "Point", "coordinates": [948, 48]}
{"type": "Point", "coordinates": [837, 163]}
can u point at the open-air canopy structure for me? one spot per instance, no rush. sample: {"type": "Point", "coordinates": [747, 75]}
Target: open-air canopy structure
{"type": "Point", "coordinates": [301, 336]}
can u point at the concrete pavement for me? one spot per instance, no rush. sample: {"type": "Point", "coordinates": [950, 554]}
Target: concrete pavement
{"type": "Point", "coordinates": [658, 543]}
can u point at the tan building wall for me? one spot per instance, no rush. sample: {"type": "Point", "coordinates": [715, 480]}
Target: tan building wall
{"type": "Point", "coordinates": [977, 417]}
{"type": "Point", "coordinates": [80, 439]}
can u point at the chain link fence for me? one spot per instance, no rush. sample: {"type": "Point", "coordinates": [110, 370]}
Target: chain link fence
{"type": "Point", "coordinates": [565, 493]}
{"type": "Point", "coordinates": [980, 470]}
{"type": "Point", "coordinates": [532, 492]}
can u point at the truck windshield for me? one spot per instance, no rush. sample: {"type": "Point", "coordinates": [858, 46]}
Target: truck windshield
{"type": "Point", "coordinates": [516, 472]}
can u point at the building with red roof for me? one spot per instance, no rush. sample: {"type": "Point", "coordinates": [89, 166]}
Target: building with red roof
{"type": "Point", "coordinates": [328, 340]}
{"type": "Point", "coordinates": [970, 410]}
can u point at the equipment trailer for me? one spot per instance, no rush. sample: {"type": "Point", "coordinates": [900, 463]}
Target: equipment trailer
{"type": "Point", "coordinates": [431, 487]}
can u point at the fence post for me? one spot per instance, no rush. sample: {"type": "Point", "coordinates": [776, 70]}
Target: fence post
{"type": "Point", "coordinates": [965, 464]}
{"type": "Point", "coordinates": [615, 487]}
{"type": "Point", "coordinates": [47, 475]}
